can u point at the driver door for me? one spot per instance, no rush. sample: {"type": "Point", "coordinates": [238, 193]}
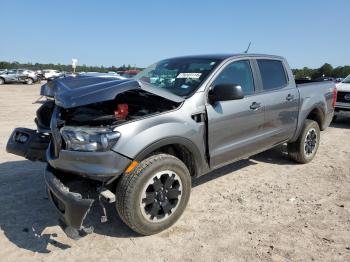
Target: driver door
{"type": "Point", "coordinates": [235, 128]}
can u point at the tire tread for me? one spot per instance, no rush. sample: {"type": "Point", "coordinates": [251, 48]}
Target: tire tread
{"type": "Point", "coordinates": [295, 152]}
{"type": "Point", "coordinates": [126, 187]}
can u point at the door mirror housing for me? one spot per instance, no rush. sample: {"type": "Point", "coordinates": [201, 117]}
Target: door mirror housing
{"type": "Point", "coordinates": [225, 92]}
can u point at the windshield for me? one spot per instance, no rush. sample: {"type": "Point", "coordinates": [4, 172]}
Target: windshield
{"type": "Point", "coordinates": [180, 76]}
{"type": "Point", "coordinates": [347, 80]}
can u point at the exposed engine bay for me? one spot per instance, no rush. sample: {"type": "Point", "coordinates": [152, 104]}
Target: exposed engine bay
{"type": "Point", "coordinates": [127, 106]}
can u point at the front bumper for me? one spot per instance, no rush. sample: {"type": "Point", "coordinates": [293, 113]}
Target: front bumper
{"type": "Point", "coordinates": [36, 146]}
{"type": "Point", "coordinates": [342, 106]}
{"type": "Point", "coordinates": [94, 165]}
{"type": "Point", "coordinates": [71, 206]}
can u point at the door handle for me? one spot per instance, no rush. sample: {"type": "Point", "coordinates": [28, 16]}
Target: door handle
{"type": "Point", "coordinates": [255, 106]}
{"type": "Point", "coordinates": [289, 97]}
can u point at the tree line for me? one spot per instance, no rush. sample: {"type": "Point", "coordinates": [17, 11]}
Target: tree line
{"type": "Point", "coordinates": [324, 70]}
{"type": "Point", "coordinates": [65, 68]}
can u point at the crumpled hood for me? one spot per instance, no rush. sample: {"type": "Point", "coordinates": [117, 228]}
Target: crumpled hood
{"type": "Point", "coordinates": [71, 91]}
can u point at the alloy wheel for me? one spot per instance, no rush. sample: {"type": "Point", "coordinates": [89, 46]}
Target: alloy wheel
{"type": "Point", "coordinates": [310, 142]}
{"type": "Point", "coordinates": [161, 196]}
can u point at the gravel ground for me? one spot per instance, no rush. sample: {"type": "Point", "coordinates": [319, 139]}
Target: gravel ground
{"type": "Point", "coordinates": [265, 208]}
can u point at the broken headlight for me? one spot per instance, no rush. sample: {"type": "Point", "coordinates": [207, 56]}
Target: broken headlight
{"type": "Point", "coordinates": [89, 139]}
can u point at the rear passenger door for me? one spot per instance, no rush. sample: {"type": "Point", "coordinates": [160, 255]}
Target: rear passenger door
{"type": "Point", "coordinates": [20, 75]}
{"type": "Point", "coordinates": [281, 99]}
{"type": "Point", "coordinates": [11, 75]}
{"type": "Point", "coordinates": [235, 127]}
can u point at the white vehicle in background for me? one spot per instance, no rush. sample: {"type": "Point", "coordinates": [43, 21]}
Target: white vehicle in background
{"type": "Point", "coordinates": [343, 97]}
{"type": "Point", "coordinates": [49, 73]}
{"type": "Point", "coordinates": [32, 74]}
{"type": "Point", "coordinates": [103, 75]}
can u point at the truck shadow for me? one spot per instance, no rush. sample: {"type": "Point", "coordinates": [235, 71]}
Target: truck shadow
{"type": "Point", "coordinates": [342, 121]}
{"type": "Point", "coordinates": [277, 155]}
{"type": "Point", "coordinates": [29, 221]}
{"type": "Point", "coordinates": [222, 171]}
{"type": "Point", "coordinates": [24, 212]}
{"type": "Point", "coordinates": [27, 218]}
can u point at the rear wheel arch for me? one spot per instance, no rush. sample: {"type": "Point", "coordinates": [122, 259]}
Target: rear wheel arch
{"type": "Point", "coordinates": [3, 80]}
{"type": "Point", "coordinates": [317, 114]}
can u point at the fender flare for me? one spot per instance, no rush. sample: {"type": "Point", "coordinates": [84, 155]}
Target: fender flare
{"type": "Point", "coordinates": [201, 164]}
{"type": "Point", "coordinates": [301, 123]}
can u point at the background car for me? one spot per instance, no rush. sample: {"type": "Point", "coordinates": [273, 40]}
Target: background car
{"type": "Point", "coordinates": [325, 78]}
{"type": "Point", "coordinates": [339, 79]}
{"type": "Point", "coordinates": [18, 76]}
{"type": "Point", "coordinates": [39, 73]}
{"type": "Point", "coordinates": [343, 97]}
{"type": "Point", "coordinates": [130, 73]}
{"type": "Point", "coordinates": [49, 73]}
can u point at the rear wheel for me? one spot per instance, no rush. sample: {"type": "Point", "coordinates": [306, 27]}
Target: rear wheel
{"type": "Point", "coordinates": [304, 149]}
{"type": "Point", "coordinates": [153, 197]}
{"type": "Point", "coordinates": [2, 81]}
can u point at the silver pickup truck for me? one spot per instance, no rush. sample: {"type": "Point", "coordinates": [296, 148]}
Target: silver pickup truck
{"type": "Point", "coordinates": [139, 142]}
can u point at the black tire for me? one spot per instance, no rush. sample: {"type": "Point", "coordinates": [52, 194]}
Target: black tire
{"type": "Point", "coordinates": [132, 187]}
{"type": "Point", "coordinates": [2, 81]}
{"type": "Point", "coordinates": [304, 149]}
{"type": "Point", "coordinates": [29, 81]}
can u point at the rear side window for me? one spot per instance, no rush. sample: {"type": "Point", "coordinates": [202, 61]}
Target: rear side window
{"type": "Point", "coordinates": [238, 73]}
{"type": "Point", "coordinates": [272, 74]}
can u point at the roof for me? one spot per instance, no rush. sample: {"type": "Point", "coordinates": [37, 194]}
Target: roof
{"type": "Point", "coordinates": [226, 56]}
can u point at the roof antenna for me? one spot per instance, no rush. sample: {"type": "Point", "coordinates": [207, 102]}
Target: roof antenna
{"type": "Point", "coordinates": [246, 51]}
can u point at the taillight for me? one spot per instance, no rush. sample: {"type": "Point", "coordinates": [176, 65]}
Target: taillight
{"type": "Point", "coordinates": [334, 102]}
{"type": "Point", "coordinates": [122, 111]}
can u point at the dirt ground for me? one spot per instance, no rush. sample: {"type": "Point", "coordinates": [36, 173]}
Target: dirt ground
{"type": "Point", "coordinates": [265, 208]}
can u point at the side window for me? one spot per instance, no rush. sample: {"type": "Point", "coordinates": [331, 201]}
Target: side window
{"type": "Point", "coordinates": [239, 73]}
{"type": "Point", "coordinates": [272, 74]}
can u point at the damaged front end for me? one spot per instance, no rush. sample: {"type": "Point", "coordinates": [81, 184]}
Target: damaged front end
{"type": "Point", "coordinates": [76, 137]}
{"type": "Point", "coordinates": [72, 206]}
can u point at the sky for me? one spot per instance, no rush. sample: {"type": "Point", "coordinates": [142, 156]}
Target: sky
{"type": "Point", "coordinates": [308, 33]}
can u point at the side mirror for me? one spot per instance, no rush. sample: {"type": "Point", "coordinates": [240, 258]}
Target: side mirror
{"type": "Point", "coordinates": [225, 92]}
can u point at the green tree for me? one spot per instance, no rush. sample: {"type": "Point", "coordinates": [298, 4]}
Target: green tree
{"type": "Point", "coordinates": [326, 70]}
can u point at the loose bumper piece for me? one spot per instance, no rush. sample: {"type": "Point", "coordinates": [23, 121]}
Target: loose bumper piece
{"type": "Point", "coordinates": [28, 143]}
{"type": "Point", "coordinates": [71, 207]}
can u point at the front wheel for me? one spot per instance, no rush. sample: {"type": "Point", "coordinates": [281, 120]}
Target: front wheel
{"type": "Point", "coordinates": [152, 198]}
{"type": "Point", "coordinates": [29, 81]}
{"type": "Point", "coordinates": [2, 81]}
{"type": "Point", "coordinates": [304, 149]}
